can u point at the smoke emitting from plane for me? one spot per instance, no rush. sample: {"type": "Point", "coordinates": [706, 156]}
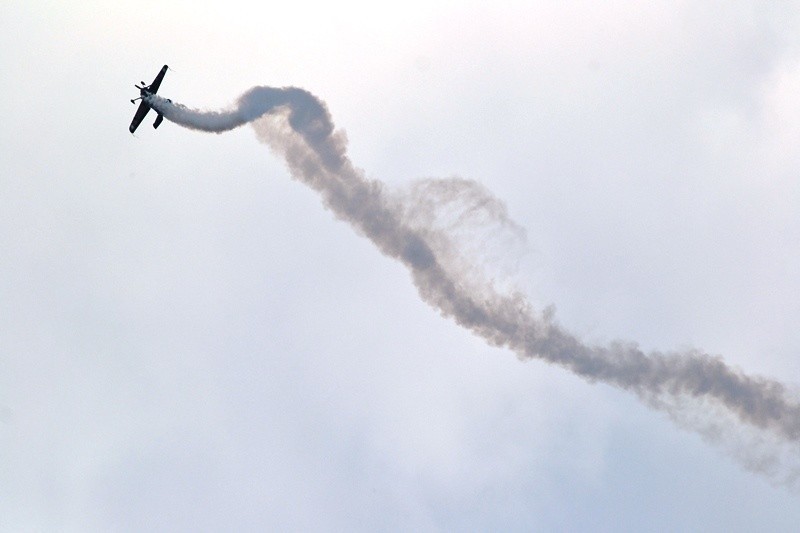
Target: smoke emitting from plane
{"type": "Point", "coordinates": [754, 418]}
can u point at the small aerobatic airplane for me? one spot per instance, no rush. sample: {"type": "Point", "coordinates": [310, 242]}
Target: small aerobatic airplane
{"type": "Point", "coordinates": [144, 107]}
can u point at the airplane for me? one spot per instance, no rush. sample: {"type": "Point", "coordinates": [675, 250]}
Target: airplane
{"type": "Point", "coordinates": [144, 107]}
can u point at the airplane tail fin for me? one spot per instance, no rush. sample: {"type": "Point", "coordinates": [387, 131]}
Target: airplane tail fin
{"type": "Point", "coordinates": [158, 121]}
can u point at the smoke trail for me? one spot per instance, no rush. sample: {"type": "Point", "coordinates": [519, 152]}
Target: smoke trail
{"type": "Point", "coordinates": [754, 418]}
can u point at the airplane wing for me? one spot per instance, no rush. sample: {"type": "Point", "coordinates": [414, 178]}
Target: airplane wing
{"type": "Point", "coordinates": [153, 87]}
{"type": "Point", "coordinates": [139, 116]}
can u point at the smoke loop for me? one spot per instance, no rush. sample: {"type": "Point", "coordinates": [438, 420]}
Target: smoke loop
{"type": "Point", "coordinates": [754, 418]}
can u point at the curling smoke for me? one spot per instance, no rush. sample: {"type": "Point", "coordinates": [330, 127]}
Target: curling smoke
{"type": "Point", "coordinates": [755, 418]}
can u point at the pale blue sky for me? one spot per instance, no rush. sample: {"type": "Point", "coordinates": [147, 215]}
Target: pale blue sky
{"type": "Point", "coordinates": [188, 340]}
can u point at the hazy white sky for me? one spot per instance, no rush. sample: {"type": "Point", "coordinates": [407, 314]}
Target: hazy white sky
{"type": "Point", "coordinates": [188, 340]}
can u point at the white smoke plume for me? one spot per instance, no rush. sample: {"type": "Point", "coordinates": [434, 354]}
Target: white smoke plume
{"type": "Point", "coordinates": [756, 419]}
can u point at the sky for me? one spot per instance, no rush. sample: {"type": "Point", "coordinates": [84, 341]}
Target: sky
{"type": "Point", "coordinates": [190, 340]}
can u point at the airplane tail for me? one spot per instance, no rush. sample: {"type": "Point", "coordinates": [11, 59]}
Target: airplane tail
{"type": "Point", "coordinates": [159, 119]}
